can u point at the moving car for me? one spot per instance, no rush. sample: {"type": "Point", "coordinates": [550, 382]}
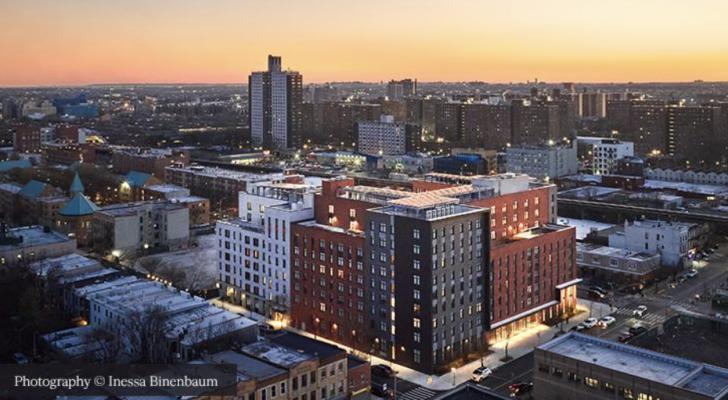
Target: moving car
{"type": "Point", "coordinates": [639, 311]}
{"type": "Point", "coordinates": [691, 273]}
{"type": "Point", "coordinates": [481, 373]}
{"type": "Point", "coordinates": [382, 370]}
{"type": "Point", "coordinates": [589, 322]}
{"type": "Point", "coordinates": [520, 388]}
{"type": "Point", "coordinates": [606, 321]}
{"type": "Point", "coordinates": [624, 337]}
{"type": "Point", "coordinates": [637, 330]}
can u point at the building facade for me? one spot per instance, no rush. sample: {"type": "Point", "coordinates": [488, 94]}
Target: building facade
{"type": "Point", "coordinates": [275, 107]}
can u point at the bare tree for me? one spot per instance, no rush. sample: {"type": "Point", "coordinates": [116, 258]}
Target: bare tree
{"type": "Point", "coordinates": [110, 347]}
{"type": "Point", "coordinates": [146, 333]}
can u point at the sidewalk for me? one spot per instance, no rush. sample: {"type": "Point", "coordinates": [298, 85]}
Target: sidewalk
{"type": "Point", "coordinates": [518, 346]}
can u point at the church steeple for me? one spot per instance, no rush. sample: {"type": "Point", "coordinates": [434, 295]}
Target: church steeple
{"type": "Point", "coordinates": [76, 185]}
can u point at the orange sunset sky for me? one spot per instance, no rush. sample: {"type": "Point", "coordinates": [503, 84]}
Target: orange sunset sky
{"type": "Point", "coordinates": [47, 42]}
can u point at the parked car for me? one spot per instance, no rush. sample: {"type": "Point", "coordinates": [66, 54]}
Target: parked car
{"type": "Point", "coordinates": [624, 337]}
{"type": "Point", "coordinates": [691, 273]}
{"type": "Point", "coordinates": [481, 373]}
{"type": "Point", "coordinates": [520, 388]}
{"type": "Point", "coordinates": [381, 390]}
{"type": "Point", "coordinates": [595, 294]}
{"type": "Point", "coordinates": [590, 322]}
{"type": "Point", "coordinates": [598, 289]}
{"type": "Point", "coordinates": [606, 321]}
{"type": "Point", "coordinates": [637, 330]}
{"type": "Point", "coordinates": [382, 370]}
{"type": "Point", "coordinates": [639, 311]}
{"type": "Point", "coordinates": [20, 358]}
{"type": "Point", "coordinates": [578, 327]}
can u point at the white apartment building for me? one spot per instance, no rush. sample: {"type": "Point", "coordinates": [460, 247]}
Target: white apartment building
{"type": "Point", "coordinates": [543, 162]}
{"type": "Point", "coordinates": [671, 240]}
{"type": "Point", "coordinates": [253, 250]}
{"type": "Point", "coordinates": [131, 228]}
{"type": "Point", "coordinates": [601, 154]}
{"type": "Point", "coordinates": [383, 137]}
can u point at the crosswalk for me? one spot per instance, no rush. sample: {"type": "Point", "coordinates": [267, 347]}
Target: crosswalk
{"type": "Point", "coordinates": [418, 393]}
{"type": "Point", "coordinates": [650, 318]}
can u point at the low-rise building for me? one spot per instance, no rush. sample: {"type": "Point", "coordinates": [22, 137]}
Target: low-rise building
{"type": "Point", "coordinates": [219, 185]}
{"type": "Point", "coordinates": [31, 243]}
{"type": "Point", "coordinates": [668, 239]}
{"type": "Point", "coordinates": [600, 155]}
{"type": "Point", "coordinates": [615, 264]}
{"type": "Point", "coordinates": [316, 369]}
{"type": "Point", "coordinates": [577, 366]}
{"type": "Point", "coordinates": [544, 162]}
{"type": "Point", "coordinates": [128, 229]}
{"type": "Point", "coordinates": [161, 324]}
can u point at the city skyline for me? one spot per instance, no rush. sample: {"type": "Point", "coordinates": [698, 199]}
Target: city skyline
{"type": "Point", "coordinates": [76, 43]}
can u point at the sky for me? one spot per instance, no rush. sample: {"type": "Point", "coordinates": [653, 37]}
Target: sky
{"type": "Point", "coordinates": [69, 42]}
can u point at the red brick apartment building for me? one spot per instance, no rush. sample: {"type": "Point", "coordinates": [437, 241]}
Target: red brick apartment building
{"type": "Point", "coordinates": [329, 278]}
{"type": "Point", "coordinates": [532, 260]}
{"type": "Point", "coordinates": [529, 263]}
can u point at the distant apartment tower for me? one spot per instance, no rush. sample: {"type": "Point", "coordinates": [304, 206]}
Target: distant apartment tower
{"type": "Point", "coordinates": [544, 161]}
{"type": "Point", "coordinates": [601, 154]}
{"type": "Point", "coordinates": [535, 122]}
{"type": "Point", "coordinates": [400, 89]}
{"type": "Point", "coordinates": [275, 106]}
{"type": "Point", "coordinates": [386, 137]}
{"type": "Point", "coordinates": [591, 105]}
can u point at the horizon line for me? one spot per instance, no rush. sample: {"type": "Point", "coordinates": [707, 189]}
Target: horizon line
{"type": "Point", "coordinates": [75, 85]}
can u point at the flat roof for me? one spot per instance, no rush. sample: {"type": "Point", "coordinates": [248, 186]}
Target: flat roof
{"type": "Point", "coordinates": [641, 363]}
{"type": "Point", "coordinates": [584, 226]}
{"type": "Point", "coordinates": [34, 235]}
{"type": "Point", "coordinates": [423, 200]}
{"type": "Point", "coordinates": [276, 354]}
{"type": "Point", "coordinates": [307, 345]}
{"type": "Point", "coordinates": [247, 366]}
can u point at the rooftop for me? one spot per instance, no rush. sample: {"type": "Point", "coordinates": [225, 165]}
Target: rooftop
{"type": "Point", "coordinates": [303, 344]}
{"type": "Point", "coordinates": [645, 364]}
{"type": "Point", "coordinates": [127, 209]}
{"type": "Point", "coordinates": [34, 235]}
{"type": "Point", "coordinates": [276, 354]}
{"type": "Point", "coordinates": [228, 173]}
{"type": "Point", "coordinates": [584, 226]}
{"type": "Point", "coordinates": [247, 366]}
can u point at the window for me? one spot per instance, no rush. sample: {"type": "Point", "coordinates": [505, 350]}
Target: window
{"type": "Point", "coordinates": [416, 356]}
{"type": "Point", "coordinates": [626, 393]}
{"type": "Point", "coordinates": [416, 233]}
{"type": "Point", "coordinates": [331, 208]}
{"type": "Point", "coordinates": [572, 376]}
{"type": "Point", "coordinates": [416, 249]}
{"type": "Point", "coordinates": [608, 387]}
{"type": "Point", "coordinates": [416, 264]}
{"type": "Point", "coordinates": [352, 213]}
{"type": "Point", "coordinates": [382, 227]}
{"type": "Point", "coordinates": [591, 382]}
{"type": "Point", "coordinates": [416, 322]}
